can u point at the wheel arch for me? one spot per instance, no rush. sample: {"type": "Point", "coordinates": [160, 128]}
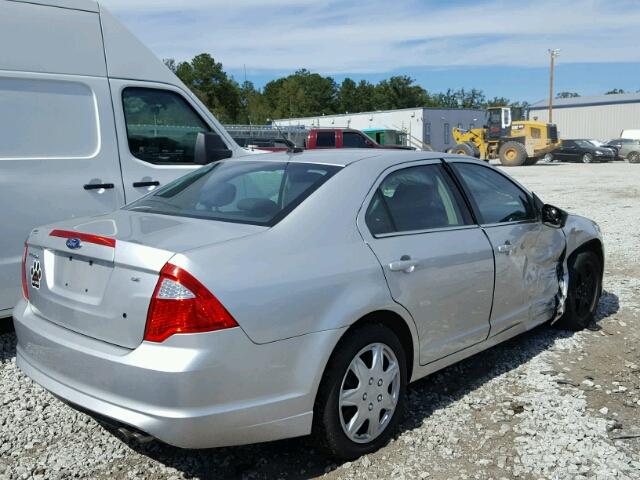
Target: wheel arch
{"type": "Point", "coordinates": [595, 246]}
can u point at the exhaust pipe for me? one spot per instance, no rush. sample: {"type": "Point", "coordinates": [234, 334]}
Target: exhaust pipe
{"type": "Point", "coordinates": [135, 435]}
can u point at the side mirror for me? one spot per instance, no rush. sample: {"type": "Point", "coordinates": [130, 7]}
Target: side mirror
{"type": "Point", "coordinates": [210, 148]}
{"type": "Point", "coordinates": [553, 216]}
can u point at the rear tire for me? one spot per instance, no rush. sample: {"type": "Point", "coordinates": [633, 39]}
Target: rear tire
{"type": "Point", "coordinates": [371, 394]}
{"type": "Point", "coordinates": [634, 157]}
{"type": "Point", "coordinates": [548, 158]}
{"type": "Point", "coordinates": [513, 154]}
{"type": "Point", "coordinates": [585, 286]}
{"type": "Point", "coordinates": [587, 158]}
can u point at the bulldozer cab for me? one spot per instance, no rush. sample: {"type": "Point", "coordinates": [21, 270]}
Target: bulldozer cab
{"type": "Point", "coordinates": [498, 123]}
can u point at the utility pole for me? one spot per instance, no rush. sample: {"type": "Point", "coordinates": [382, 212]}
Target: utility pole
{"type": "Point", "coordinates": [553, 52]}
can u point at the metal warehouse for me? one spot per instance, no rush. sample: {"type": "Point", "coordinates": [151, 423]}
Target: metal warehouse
{"type": "Point", "coordinates": [431, 126]}
{"type": "Point", "coordinates": [601, 117]}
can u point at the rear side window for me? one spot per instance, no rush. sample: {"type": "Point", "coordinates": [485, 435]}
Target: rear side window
{"type": "Point", "coordinates": [257, 193]}
{"type": "Point", "coordinates": [47, 119]}
{"type": "Point", "coordinates": [161, 126]}
{"type": "Point", "coordinates": [326, 139]}
{"type": "Point", "coordinates": [416, 198]}
{"type": "Point", "coordinates": [497, 199]}
{"type": "Point", "coordinates": [354, 140]}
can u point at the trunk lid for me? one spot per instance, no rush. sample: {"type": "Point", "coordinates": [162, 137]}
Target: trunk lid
{"type": "Point", "coordinates": [96, 276]}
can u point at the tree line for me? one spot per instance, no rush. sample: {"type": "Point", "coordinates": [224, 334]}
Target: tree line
{"type": "Point", "coordinates": [304, 94]}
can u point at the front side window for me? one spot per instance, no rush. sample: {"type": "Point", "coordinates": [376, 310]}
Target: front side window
{"type": "Point", "coordinates": [326, 139]}
{"type": "Point", "coordinates": [497, 199]}
{"type": "Point", "coordinates": [161, 126]}
{"type": "Point", "coordinates": [416, 198]}
{"type": "Point", "coordinates": [257, 193]}
{"type": "Point", "coordinates": [354, 140]}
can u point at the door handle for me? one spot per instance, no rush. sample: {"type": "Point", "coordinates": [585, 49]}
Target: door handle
{"type": "Point", "coordinates": [98, 186]}
{"type": "Point", "coordinates": [405, 264]}
{"type": "Point", "coordinates": [507, 248]}
{"type": "Point", "coordinates": [151, 183]}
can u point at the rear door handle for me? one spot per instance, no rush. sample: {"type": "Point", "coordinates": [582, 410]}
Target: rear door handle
{"type": "Point", "coordinates": [507, 248]}
{"type": "Point", "coordinates": [152, 183]}
{"type": "Point", "coordinates": [98, 186]}
{"type": "Point", "coordinates": [405, 264]}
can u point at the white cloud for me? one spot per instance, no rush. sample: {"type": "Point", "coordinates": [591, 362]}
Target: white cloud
{"type": "Point", "coordinates": [379, 36]}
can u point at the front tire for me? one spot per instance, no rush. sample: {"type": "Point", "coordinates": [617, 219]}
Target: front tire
{"type": "Point", "coordinates": [587, 158]}
{"type": "Point", "coordinates": [585, 286]}
{"type": "Point", "coordinates": [513, 154]}
{"type": "Point", "coordinates": [362, 393]}
{"type": "Point", "coordinates": [463, 149]}
{"type": "Point", "coordinates": [634, 157]}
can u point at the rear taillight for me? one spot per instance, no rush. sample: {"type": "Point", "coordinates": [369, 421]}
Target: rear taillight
{"type": "Point", "coordinates": [181, 304]}
{"type": "Point", "coordinates": [25, 288]}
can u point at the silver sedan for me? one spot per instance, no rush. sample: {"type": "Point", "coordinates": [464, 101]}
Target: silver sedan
{"type": "Point", "coordinates": [293, 294]}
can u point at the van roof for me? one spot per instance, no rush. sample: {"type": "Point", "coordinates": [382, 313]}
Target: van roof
{"type": "Point", "coordinates": [87, 5]}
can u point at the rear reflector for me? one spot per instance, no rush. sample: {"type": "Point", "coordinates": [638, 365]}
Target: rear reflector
{"type": "Point", "coordinates": [181, 304]}
{"type": "Point", "coordinates": [25, 287]}
{"type": "Point", "coordinates": [85, 237]}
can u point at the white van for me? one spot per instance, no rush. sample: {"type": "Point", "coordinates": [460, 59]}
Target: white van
{"type": "Point", "coordinates": [630, 133]}
{"type": "Point", "coordinates": [90, 120]}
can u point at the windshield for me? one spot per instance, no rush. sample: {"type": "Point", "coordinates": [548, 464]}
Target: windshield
{"type": "Point", "coordinates": [257, 193]}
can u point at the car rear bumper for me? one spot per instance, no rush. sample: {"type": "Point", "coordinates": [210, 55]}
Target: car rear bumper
{"type": "Point", "coordinates": [192, 391]}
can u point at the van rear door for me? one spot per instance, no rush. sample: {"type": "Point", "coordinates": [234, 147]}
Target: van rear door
{"type": "Point", "coordinates": [157, 126]}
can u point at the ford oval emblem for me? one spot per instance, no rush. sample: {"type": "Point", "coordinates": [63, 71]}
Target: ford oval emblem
{"type": "Point", "coordinates": [74, 243]}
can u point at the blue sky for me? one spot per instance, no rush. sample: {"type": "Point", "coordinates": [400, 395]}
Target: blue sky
{"type": "Point", "coordinates": [498, 46]}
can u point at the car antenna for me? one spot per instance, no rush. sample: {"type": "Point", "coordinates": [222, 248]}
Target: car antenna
{"type": "Point", "coordinates": [291, 147]}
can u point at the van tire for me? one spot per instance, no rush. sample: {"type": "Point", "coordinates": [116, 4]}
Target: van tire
{"type": "Point", "coordinates": [633, 157]}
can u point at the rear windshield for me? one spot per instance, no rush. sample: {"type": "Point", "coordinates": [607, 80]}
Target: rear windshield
{"type": "Point", "coordinates": [257, 193]}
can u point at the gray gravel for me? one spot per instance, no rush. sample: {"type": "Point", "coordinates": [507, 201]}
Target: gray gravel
{"type": "Point", "coordinates": [548, 404]}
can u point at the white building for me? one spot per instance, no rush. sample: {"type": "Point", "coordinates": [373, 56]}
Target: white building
{"type": "Point", "coordinates": [430, 126]}
{"type": "Point", "coordinates": [602, 117]}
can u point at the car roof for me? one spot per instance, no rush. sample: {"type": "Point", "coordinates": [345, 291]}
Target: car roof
{"type": "Point", "coordinates": [345, 156]}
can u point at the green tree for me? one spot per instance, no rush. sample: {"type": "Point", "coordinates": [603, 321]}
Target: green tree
{"type": "Point", "coordinates": [615, 91]}
{"type": "Point", "coordinates": [446, 99]}
{"type": "Point", "coordinates": [498, 102]}
{"type": "Point", "coordinates": [301, 94]}
{"type": "Point", "coordinates": [255, 110]}
{"type": "Point", "coordinates": [400, 92]}
{"type": "Point", "coordinates": [348, 96]}
{"type": "Point", "coordinates": [206, 78]}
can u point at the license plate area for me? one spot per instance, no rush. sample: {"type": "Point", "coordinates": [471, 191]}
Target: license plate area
{"type": "Point", "coordinates": [77, 277]}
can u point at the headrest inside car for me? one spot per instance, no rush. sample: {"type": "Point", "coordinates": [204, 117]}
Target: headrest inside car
{"type": "Point", "coordinates": [220, 196]}
{"type": "Point", "coordinates": [258, 207]}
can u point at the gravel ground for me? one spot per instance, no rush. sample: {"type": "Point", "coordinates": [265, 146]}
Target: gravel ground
{"type": "Point", "coordinates": [548, 404]}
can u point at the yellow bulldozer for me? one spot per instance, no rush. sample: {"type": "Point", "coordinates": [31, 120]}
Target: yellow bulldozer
{"type": "Point", "coordinates": [514, 142]}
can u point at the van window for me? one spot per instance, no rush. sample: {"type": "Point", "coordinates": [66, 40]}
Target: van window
{"type": "Point", "coordinates": [42, 119]}
{"type": "Point", "coordinates": [161, 126]}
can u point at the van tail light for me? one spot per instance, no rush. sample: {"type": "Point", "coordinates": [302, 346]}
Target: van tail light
{"type": "Point", "coordinates": [181, 304]}
{"type": "Point", "coordinates": [25, 287]}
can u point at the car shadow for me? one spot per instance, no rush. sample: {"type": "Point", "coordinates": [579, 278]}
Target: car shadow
{"type": "Point", "coordinates": [299, 458]}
